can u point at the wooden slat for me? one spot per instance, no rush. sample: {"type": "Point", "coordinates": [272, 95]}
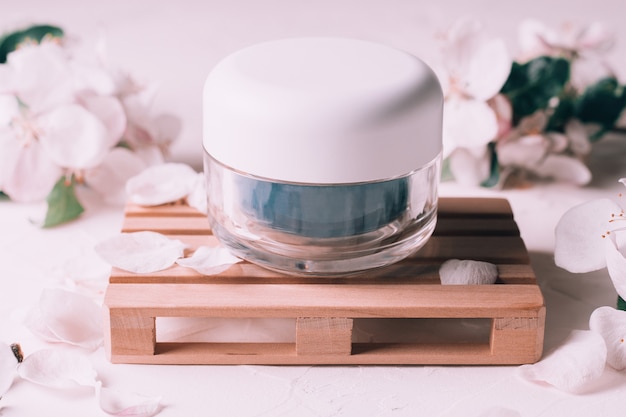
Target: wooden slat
{"type": "Point", "coordinates": [325, 307]}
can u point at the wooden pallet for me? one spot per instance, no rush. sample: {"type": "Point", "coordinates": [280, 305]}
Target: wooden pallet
{"type": "Point", "coordinates": [325, 309]}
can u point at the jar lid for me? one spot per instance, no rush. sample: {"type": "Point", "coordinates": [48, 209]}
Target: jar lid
{"type": "Point", "coordinates": [322, 110]}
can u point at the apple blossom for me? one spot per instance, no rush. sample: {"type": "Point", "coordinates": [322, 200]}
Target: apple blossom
{"type": "Point", "coordinates": [475, 67]}
{"type": "Point", "coordinates": [583, 45]}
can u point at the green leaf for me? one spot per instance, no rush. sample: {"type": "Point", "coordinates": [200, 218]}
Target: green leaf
{"type": "Point", "coordinates": [621, 304]}
{"type": "Point", "coordinates": [63, 205]}
{"type": "Point", "coordinates": [601, 103]}
{"type": "Point", "coordinates": [530, 86]}
{"type": "Point", "coordinates": [11, 41]}
{"type": "Point", "coordinates": [494, 169]}
{"type": "Point", "coordinates": [563, 112]}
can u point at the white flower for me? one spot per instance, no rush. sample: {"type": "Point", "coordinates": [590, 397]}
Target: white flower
{"type": "Point", "coordinates": [48, 127]}
{"type": "Point", "coordinates": [584, 45]}
{"type": "Point", "coordinates": [546, 154]}
{"type": "Point", "coordinates": [589, 237]}
{"type": "Point", "coordinates": [475, 67]}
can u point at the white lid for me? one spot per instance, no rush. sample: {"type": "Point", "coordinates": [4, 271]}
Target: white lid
{"type": "Point", "coordinates": [322, 110]}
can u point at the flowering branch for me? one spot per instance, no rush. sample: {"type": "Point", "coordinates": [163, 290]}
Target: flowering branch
{"type": "Point", "coordinates": [69, 121]}
{"type": "Point", "coordinates": [548, 108]}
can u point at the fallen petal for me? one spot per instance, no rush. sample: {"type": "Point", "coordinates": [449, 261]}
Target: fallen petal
{"type": "Point", "coordinates": [580, 360]}
{"type": "Point", "coordinates": [160, 184]}
{"type": "Point", "coordinates": [209, 261]}
{"type": "Point", "coordinates": [118, 403]}
{"type": "Point", "coordinates": [66, 317]}
{"type": "Point", "coordinates": [140, 252]}
{"type": "Point", "coordinates": [579, 246]}
{"type": "Point", "coordinates": [57, 368]}
{"type": "Point", "coordinates": [8, 366]}
{"type": "Point", "coordinates": [467, 272]}
{"type": "Point", "coordinates": [611, 325]}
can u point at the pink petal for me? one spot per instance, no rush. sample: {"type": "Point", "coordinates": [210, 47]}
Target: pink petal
{"type": "Point", "coordinates": [42, 77]}
{"type": "Point", "coordinates": [209, 261]}
{"type": "Point", "coordinates": [489, 69]}
{"type": "Point", "coordinates": [110, 112]}
{"type": "Point", "coordinates": [9, 108]}
{"type": "Point", "coordinates": [564, 168]}
{"type": "Point", "coordinates": [468, 168]}
{"type": "Point", "coordinates": [8, 366]}
{"type": "Point", "coordinates": [526, 151]}
{"type": "Point", "coordinates": [140, 252]}
{"type": "Point", "coordinates": [66, 317]}
{"type": "Point", "coordinates": [161, 184]}
{"type": "Point", "coordinates": [467, 272]}
{"type": "Point", "coordinates": [74, 137]}
{"type": "Point", "coordinates": [118, 403]}
{"type": "Point", "coordinates": [611, 325]}
{"type": "Point", "coordinates": [110, 177]}
{"type": "Point", "coordinates": [58, 368]}
{"type": "Point", "coordinates": [468, 124]}
{"type": "Point", "coordinates": [579, 246]}
{"type": "Point", "coordinates": [580, 360]}
{"type": "Point", "coordinates": [33, 176]}
{"type": "Point", "coordinates": [531, 35]}
{"type": "Point", "coordinates": [597, 37]}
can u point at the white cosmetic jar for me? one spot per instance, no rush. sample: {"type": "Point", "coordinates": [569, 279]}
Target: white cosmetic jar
{"type": "Point", "coordinates": [322, 155]}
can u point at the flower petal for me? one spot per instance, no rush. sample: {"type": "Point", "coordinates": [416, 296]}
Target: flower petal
{"type": "Point", "coordinates": [160, 184]}
{"type": "Point", "coordinates": [118, 403]}
{"type": "Point", "coordinates": [74, 137]}
{"type": "Point", "coordinates": [110, 112]}
{"type": "Point", "coordinates": [468, 124]}
{"type": "Point", "coordinates": [467, 272]}
{"type": "Point", "coordinates": [611, 325]}
{"type": "Point", "coordinates": [525, 151]}
{"type": "Point", "coordinates": [66, 317]}
{"type": "Point", "coordinates": [110, 177]}
{"type": "Point", "coordinates": [140, 252]}
{"type": "Point", "coordinates": [488, 71]}
{"type": "Point", "coordinates": [33, 175]}
{"type": "Point", "coordinates": [42, 78]}
{"type": "Point", "coordinates": [8, 366]}
{"type": "Point", "coordinates": [58, 368]}
{"type": "Point", "coordinates": [579, 246]}
{"type": "Point", "coordinates": [580, 360]}
{"type": "Point", "coordinates": [209, 261]}
{"type": "Point", "coordinates": [564, 168]}
{"type": "Point", "coordinates": [468, 168]}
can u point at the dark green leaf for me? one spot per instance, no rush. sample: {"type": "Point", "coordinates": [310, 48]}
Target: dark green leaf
{"type": "Point", "coordinates": [63, 205]}
{"type": "Point", "coordinates": [530, 86]}
{"type": "Point", "coordinates": [11, 41]}
{"type": "Point", "coordinates": [601, 103]}
{"type": "Point", "coordinates": [494, 169]}
{"type": "Point", "coordinates": [621, 304]}
{"type": "Point", "coordinates": [563, 112]}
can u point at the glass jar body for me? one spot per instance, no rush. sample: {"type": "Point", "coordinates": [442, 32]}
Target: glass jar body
{"type": "Point", "coordinates": [321, 229]}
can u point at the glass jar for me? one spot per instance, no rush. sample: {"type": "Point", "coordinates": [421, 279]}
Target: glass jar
{"type": "Point", "coordinates": [317, 165]}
